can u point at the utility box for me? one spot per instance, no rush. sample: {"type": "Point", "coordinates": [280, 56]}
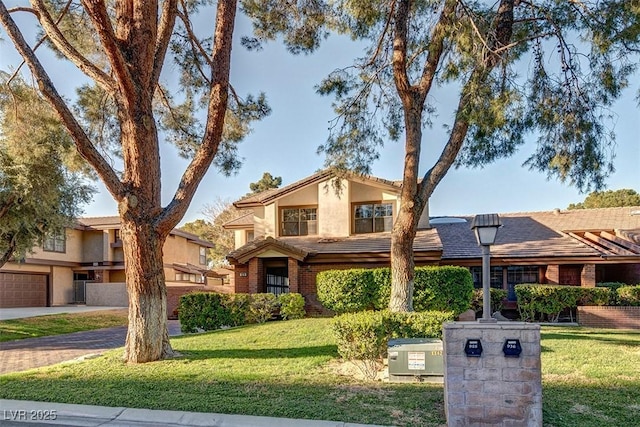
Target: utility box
{"type": "Point", "coordinates": [412, 359]}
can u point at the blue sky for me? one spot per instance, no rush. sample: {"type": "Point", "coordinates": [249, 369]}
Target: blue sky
{"type": "Point", "coordinates": [285, 142]}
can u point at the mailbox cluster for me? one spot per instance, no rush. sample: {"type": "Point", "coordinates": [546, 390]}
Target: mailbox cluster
{"type": "Point", "coordinates": [510, 348]}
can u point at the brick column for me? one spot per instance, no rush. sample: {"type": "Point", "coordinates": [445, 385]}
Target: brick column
{"type": "Point", "coordinates": [588, 276]}
{"type": "Point", "coordinates": [254, 275]}
{"type": "Point", "coordinates": [553, 275]}
{"type": "Point", "coordinates": [294, 275]}
{"type": "Point", "coordinates": [492, 389]}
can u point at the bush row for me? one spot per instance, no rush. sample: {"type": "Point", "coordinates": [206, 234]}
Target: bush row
{"type": "Point", "coordinates": [536, 302]}
{"type": "Point", "coordinates": [364, 335]}
{"type": "Point", "coordinates": [445, 288]}
{"type": "Point", "coordinates": [621, 293]}
{"type": "Point", "coordinates": [497, 296]}
{"type": "Point", "coordinates": [209, 310]}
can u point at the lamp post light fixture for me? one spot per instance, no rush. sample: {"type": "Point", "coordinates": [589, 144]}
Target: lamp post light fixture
{"type": "Point", "coordinates": [486, 228]}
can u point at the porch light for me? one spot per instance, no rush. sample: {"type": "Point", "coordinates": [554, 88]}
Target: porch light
{"type": "Point", "coordinates": [486, 228]}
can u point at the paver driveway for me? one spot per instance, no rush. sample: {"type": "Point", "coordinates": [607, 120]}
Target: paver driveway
{"type": "Point", "coordinates": [20, 355]}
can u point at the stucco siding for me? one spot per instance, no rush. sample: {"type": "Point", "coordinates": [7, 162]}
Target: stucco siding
{"type": "Point", "coordinates": [62, 286]}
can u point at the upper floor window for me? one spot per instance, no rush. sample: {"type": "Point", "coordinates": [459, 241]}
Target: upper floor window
{"type": "Point", "coordinates": [116, 236]}
{"type": "Point", "coordinates": [298, 221]}
{"type": "Point", "coordinates": [203, 255]}
{"type": "Point", "coordinates": [250, 235]}
{"type": "Point", "coordinates": [373, 217]}
{"type": "Point", "coordinates": [55, 241]}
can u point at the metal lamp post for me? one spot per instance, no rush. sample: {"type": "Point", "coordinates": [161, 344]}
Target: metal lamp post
{"type": "Point", "coordinates": [486, 227]}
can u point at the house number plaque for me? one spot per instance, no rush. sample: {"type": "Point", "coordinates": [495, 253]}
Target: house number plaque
{"type": "Point", "coordinates": [473, 348]}
{"type": "Point", "coordinates": [512, 348]}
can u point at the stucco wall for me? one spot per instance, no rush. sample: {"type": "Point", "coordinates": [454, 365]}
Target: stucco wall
{"type": "Point", "coordinates": [333, 210]}
{"type": "Point", "coordinates": [107, 294]}
{"type": "Point", "coordinates": [73, 249]}
{"type": "Point", "coordinates": [93, 243]}
{"type": "Point", "coordinates": [62, 286]}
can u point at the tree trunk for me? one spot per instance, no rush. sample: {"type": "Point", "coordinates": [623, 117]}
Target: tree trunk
{"type": "Point", "coordinates": [147, 335]}
{"type": "Point", "coordinates": [411, 206]}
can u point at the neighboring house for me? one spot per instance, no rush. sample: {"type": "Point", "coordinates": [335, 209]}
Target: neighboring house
{"type": "Point", "coordinates": [299, 230]}
{"type": "Point", "coordinates": [91, 251]}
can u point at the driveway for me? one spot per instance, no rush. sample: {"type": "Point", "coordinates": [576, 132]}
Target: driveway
{"type": "Point", "coordinates": [20, 355]}
{"type": "Point", "coordinates": [23, 312]}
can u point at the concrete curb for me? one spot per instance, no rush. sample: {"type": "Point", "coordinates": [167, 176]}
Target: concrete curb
{"type": "Point", "coordinates": [46, 413]}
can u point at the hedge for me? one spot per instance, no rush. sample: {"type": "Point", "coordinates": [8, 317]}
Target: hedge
{"type": "Point", "coordinates": [497, 296]}
{"type": "Point", "coordinates": [364, 335]}
{"type": "Point", "coordinates": [629, 295]}
{"type": "Point", "coordinates": [445, 288]}
{"type": "Point", "coordinates": [346, 291]}
{"type": "Point", "coordinates": [210, 310]}
{"type": "Point", "coordinates": [536, 302]}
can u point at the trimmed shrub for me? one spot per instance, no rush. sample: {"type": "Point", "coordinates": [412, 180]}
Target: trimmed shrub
{"type": "Point", "coordinates": [364, 335]}
{"type": "Point", "coordinates": [629, 295]}
{"type": "Point", "coordinates": [613, 287]}
{"type": "Point", "coordinates": [238, 307]}
{"type": "Point", "coordinates": [382, 288]}
{"type": "Point", "coordinates": [291, 306]}
{"type": "Point", "coordinates": [262, 307]}
{"type": "Point", "coordinates": [497, 297]}
{"type": "Point", "coordinates": [445, 288]}
{"type": "Point", "coordinates": [346, 291]}
{"type": "Point", "coordinates": [203, 310]}
{"type": "Point", "coordinates": [435, 288]}
{"type": "Point", "coordinates": [540, 302]}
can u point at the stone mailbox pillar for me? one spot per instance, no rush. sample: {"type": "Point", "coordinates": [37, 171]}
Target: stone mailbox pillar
{"type": "Point", "coordinates": [492, 374]}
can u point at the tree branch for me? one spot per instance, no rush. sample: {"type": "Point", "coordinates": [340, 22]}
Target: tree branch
{"type": "Point", "coordinates": [54, 34]}
{"type": "Point", "coordinates": [83, 144]}
{"type": "Point", "coordinates": [43, 38]}
{"type": "Point", "coordinates": [219, 93]}
{"type": "Point", "coordinates": [167, 22]}
{"type": "Point", "coordinates": [400, 50]}
{"type": "Point", "coordinates": [97, 12]}
{"type": "Point", "coordinates": [437, 41]}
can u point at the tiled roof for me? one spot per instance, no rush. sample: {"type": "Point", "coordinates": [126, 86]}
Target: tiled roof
{"type": "Point", "coordinates": [274, 193]}
{"type": "Point", "coordinates": [98, 221]}
{"type": "Point", "coordinates": [244, 221]}
{"type": "Point", "coordinates": [547, 234]}
{"type": "Point", "coordinates": [113, 222]}
{"type": "Point", "coordinates": [376, 243]}
{"type": "Point", "coordinates": [426, 240]}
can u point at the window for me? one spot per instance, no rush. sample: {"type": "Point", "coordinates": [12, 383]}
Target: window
{"type": "Point", "coordinates": [373, 217]}
{"type": "Point", "coordinates": [250, 236]}
{"type": "Point", "coordinates": [298, 221]}
{"type": "Point", "coordinates": [55, 241]}
{"type": "Point", "coordinates": [116, 236]}
{"type": "Point", "coordinates": [495, 277]}
{"type": "Point", "coordinates": [203, 255]}
{"type": "Point", "coordinates": [522, 274]}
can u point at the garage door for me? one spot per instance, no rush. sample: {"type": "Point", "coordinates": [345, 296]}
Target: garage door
{"type": "Point", "coordinates": [23, 290]}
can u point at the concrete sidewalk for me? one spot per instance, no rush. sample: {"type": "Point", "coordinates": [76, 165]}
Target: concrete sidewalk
{"type": "Point", "coordinates": [24, 413]}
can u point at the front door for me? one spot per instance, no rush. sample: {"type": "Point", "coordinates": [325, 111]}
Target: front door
{"type": "Point", "coordinates": [277, 280]}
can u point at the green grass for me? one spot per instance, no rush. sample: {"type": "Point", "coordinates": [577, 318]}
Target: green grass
{"type": "Point", "coordinates": [57, 324]}
{"type": "Point", "coordinates": [277, 369]}
{"type": "Point", "coordinates": [590, 377]}
{"type": "Point", "coordinates": [286, 369]}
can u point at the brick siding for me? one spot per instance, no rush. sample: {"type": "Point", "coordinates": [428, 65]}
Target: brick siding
{"type": "Point", "coordinates": [588, 276]}
{"type": "Point", "coordinates": [174, 292]}
{"type": "Point", "coordinates": [609, 317]}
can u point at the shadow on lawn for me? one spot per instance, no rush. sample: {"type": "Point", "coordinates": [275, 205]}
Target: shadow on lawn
{"type": "Point", "coordinates": [262, 353]}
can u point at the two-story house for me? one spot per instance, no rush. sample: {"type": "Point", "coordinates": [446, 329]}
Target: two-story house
{"type": "Point", "coordinates": [306, 227]}
{"type": "Point", "coordinates": [91, 252]}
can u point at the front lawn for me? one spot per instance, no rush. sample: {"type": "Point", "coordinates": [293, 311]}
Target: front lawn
{"type": "Point", "coordinates": [284, 369]}
{"type": "Point", "coordinates": [56, 324]}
